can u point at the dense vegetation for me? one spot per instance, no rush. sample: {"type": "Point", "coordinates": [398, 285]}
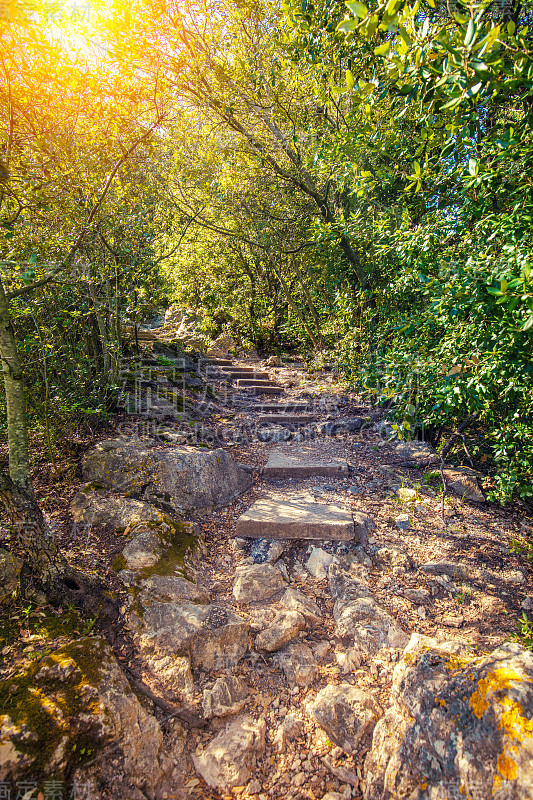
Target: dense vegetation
{"type": "Point", "coordinates": [350, 180]}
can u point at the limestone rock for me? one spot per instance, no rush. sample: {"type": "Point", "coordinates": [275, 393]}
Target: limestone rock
{"type": "Point", "coordinates": [256, 582]}
{"type": "Point", "coordinates": [370, 627]}
{"type": "Point", "coordinates": [318, 563]}
{"type": "Point", "coordinates": [182, 478]}
{"type": "Point", "coordinates": [291, 728]}
{"type": "Point", "coordinates": [346, 585]}
{"type": "Point", "coordinates": [393, 557]}
{"type": "Point", "coordinates": [416, 451]}
{"type": "Point", "coordinates": [298, 663]}
{"type": "Point", "coordinates": [285, 627]}
{"type": "Point", "coordinates": [345, 712]}
{"type": "Point", "coordinates": [363, 525]}
{"type": "Point", "coordinates": [402, 522]}
{"type": "Point", "coordinates": [212, 636]}
{"type": "Point", "coordinates": [406, 495]}
{"type": "Point", "coordinates": [227, 696]}
{"type": "Point", "coordinates": [222, 345]}
{"type": "Point", "coordinates": [463, 481]}
{"type": "Point", "coordinates": [86, 696]}
{"type": "Point", "coordinates": [229, 759]}
{"type": "Point", "coordinates": [10, 567]}
{"type": "Point", "coordinates": [457, 726]}
{"type": "Point", "coordinates": [92, 506]}
{"type": "Point", "coordinates": [295, 600]}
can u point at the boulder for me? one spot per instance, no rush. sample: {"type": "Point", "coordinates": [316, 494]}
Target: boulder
{"type": "Point", "coordinates": [285, 627]}
{"type": "Point", "coordinates": [178, 478]}
{"type": "Point", "coordinates": [298, 664]}
{"type": "Point", "coordinates": [459, 725]}
{"type": "Point", "coordinates": [10, 567]}
{"type": "Point", "coordinates": [345, 712]}
{"type": "Point", "coordinates": [72, 707]}
{"type": "Point", "coordinates": [190, 334]}
{"type": "Point", "coordinates": [229, 759]}
{"type": "Point", "coordinates": [164, 552]}
{"type": "Point", "coordinates": [257, 582]}
{"type": "Point", "coordinates": [228, 696]}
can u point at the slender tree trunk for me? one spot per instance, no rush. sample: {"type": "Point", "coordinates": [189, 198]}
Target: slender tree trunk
{"type": "Point", "coordinates": [310, 303]}
{"type": "Point", "coordinates": [17, 431]}
{"type": "Point", "coordinates": [294, 305]}
{"type": "Point", "coordinates": [39, 545]}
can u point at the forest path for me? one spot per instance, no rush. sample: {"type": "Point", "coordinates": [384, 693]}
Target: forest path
{"type": "Point", "coordinates": [332, 519]}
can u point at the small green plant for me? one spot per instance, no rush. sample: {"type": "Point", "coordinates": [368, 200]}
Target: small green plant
{"type": "Point", "coordinates": [523, 549]}
{"type": "Point", "coordinates": [89, 625]}
{"type": "Point", "coordinates": [525, 631]}
{"type": "Point", "coordinates": [165, 361]}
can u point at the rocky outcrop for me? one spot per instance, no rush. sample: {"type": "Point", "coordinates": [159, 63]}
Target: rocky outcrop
{"type": "Point", "coordinates": [72, 707]}
{"type": "Point", "coordinates": [176, 478]}
{"type": "Point", "coordinates": [94, 506]}
{"type": "Point", "coordinates": [458, 726]}
{"type": "Point", "coordinates": [229, 759]}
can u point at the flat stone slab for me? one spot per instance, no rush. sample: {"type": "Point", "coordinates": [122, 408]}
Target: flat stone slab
{"type": "Point", "coordinates": [288, 419]}
{"type": "Point", "coordinates": [274, 408]}
{"type": "Point", "coordinates": [254, 383]}
{"type": "Point", "coordinates": [282, 464]}
{"type": "Point", "coordinates": [270, 518]}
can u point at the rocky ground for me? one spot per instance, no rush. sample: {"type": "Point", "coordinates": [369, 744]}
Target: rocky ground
{"type": "Point", "coordinates": [350, 638]}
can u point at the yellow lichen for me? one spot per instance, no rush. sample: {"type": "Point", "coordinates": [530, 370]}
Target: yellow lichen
{"type": "Point", "coordinates": [507, 767]}
{"type": "Point", "coordinates": [495, 681]}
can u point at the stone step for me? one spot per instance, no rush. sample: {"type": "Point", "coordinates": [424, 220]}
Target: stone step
{"type": "Point", "coordinates": [274, 408]}
{"type": "Point", "coordinates": [237, 374]}
{"type": "Point", "coordinates": [288, 419]}
{"type": "Point", "coordinates": [253, 383]}
{"type": "Point", "coordinates": [273, 389]}
{"type": "Point", "coordinates": [237, 368]}
{"type": "Point", "coordinates": [283, 464]}
{"type": "Point", "coordinates": [219, 362]}
{"type": "Point", "coordinates": [270, 518]}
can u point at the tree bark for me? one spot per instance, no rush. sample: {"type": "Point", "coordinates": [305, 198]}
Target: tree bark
{"type": "Point", "coordinates": [39, 546]}
{"type": "Point", "coordinates": [17, 431]}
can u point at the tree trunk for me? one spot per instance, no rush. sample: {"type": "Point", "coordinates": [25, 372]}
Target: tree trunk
{"type": "Point", "coordinates": [17, 431]}
{"type": "Point", "coordinates": [38, 544]}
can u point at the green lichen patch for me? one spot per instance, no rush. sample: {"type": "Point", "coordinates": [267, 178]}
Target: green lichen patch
{"type": "Point", "coordinates": [178, 542]}
{"type": "Point", "coordinates": [55, 706]}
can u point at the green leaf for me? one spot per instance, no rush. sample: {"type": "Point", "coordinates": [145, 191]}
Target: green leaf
{"type": "Point", "coordinates": [382, 49]}
{"type": "Point", "coordinates": [473, 166]}
{"type": "Point", "coordinates": [350, 80]}
{"type": "Point", "coordinates": [528, 324]}
{"type": "Point", "coordinates": [359, 9]}
{"type": "Point", "coordinates": [470, 33]}
{"type": "Point", "coordinates": [347, 25]}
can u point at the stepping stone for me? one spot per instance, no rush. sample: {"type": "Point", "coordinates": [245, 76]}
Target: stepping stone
{"type": "Point", "coordinates": [245, 372]}
{"type": "Point", "coordinates": [270, 518]}
{"type": "Point", "coordinates": [283, 464]}
{"type": "Point", "coordinates": [258, 387]}
{"type": "Point", "coordinates": [273, 408]}
{"type": "Point", "coordinates": [255, 383]}
{"type": "Point", "coordinates": [219, 362]}
{"type": "Point", "coordinates": [288, 419]}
